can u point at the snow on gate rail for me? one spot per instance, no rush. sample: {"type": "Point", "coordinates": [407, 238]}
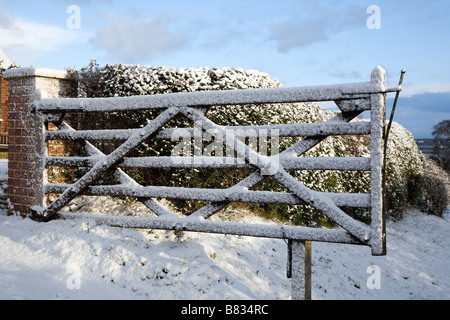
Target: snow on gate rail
{"type": "Point", "coordinates": [352, 99]}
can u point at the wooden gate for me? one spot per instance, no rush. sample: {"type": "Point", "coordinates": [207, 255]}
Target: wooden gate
{"type": "Point", "coordinates": [352, 99]}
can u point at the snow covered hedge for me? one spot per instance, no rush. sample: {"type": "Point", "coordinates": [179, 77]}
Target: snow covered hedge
{"type": "Point", "coordinates": [405, 162]}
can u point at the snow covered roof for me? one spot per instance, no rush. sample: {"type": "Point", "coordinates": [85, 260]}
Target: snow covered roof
{"type": "Point", "coordinates": [5, 62]}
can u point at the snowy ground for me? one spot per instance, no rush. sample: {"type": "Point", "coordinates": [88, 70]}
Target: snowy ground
{"type": "Point", "coordinates": [81, 260]}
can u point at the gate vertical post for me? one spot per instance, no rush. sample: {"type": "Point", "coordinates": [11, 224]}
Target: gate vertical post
{"type": "Point", "coordinates": [301, 270]}
{"type": "Point", "coordinates": [377, 132]}
{"type": "Point", "coordinates": [25, 157]}
{"type": "Point", "coordinates": [41, 153]}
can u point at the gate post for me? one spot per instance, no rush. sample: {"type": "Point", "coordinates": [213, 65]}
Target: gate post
{"type": "Point", "coordinates": [24, 172]}
{"type": "Point", "coordinates": [377, 136]}
{"type": "Point", "coordinates": [301, 270]}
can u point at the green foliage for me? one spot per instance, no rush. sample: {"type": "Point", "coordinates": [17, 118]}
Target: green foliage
{"type": "Point", "coordinates": [429, 194]}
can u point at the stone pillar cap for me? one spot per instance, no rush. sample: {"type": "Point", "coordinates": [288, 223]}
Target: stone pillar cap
{"type": "Point", "coordinates": [34, 72]}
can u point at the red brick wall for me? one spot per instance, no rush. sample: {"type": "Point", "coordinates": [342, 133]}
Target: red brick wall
{"type": "Point", "coordinates": [4, 105]}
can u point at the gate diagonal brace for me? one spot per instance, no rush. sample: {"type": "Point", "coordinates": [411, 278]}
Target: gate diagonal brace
{"type": "Point", "coordinates": [123, 178]}
{"type": "Point", "coordinates": [295, 150]}
{"type": "Point", "coordinates": [324, 204]}
{"type": "Point", "coordinates": [102, 166]}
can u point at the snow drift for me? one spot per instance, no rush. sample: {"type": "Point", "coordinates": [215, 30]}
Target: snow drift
{"type": "Point", "coordinates": [81, 260]}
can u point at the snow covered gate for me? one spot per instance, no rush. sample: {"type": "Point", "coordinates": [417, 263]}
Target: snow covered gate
{"type": "Point", "coordinates": [352, 99]}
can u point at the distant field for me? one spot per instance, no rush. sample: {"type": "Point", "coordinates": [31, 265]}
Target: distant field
{"type": "Point", "coordinates": [425, 145]}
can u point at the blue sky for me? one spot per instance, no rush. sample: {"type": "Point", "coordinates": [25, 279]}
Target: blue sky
{"type": "Point", "coordinates": [298, 42]}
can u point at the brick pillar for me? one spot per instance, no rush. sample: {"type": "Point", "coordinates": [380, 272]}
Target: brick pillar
{"type": "Point", "coordinates": [25, 86]}
{"type": "Point", "coordinates": [4, 105]}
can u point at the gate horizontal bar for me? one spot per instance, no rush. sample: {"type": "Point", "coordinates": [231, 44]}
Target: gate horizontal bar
{"type": "Point", "coordinates": [280, 130]}
{"type": "Point", "coordinates": [214, 98]}
{"type": "Point", "coordinates": [216, 195]}
{"type": "Point", "coordinates": [294, 163]}
{"type": "Point", "coordinates": [207, 226]}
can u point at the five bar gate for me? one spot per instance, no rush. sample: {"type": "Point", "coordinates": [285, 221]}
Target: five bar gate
{"type": "Point", "coordinates": [352, 99]}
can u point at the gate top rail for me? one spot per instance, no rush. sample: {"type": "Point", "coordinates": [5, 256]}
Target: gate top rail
{"type": "Point", "coordinates": [352, 91]}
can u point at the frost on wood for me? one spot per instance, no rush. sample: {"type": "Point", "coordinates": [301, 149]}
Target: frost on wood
{"type": "Point", "coordinates": [212, 98]}
{"type": "Point", "coordinates": [198, 107]}
{"type": "Point", "coordinates": [282, 130]}
{"type": "Point", "coordinates": [232, 228]}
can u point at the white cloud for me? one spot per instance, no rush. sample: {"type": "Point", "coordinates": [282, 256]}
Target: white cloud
{"type": "Point", "coordinates": [316, 23]}
{"type": "Point", "coordinates": [133, 41]}
{"type": "Point", "coordinates": [24, 39]}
